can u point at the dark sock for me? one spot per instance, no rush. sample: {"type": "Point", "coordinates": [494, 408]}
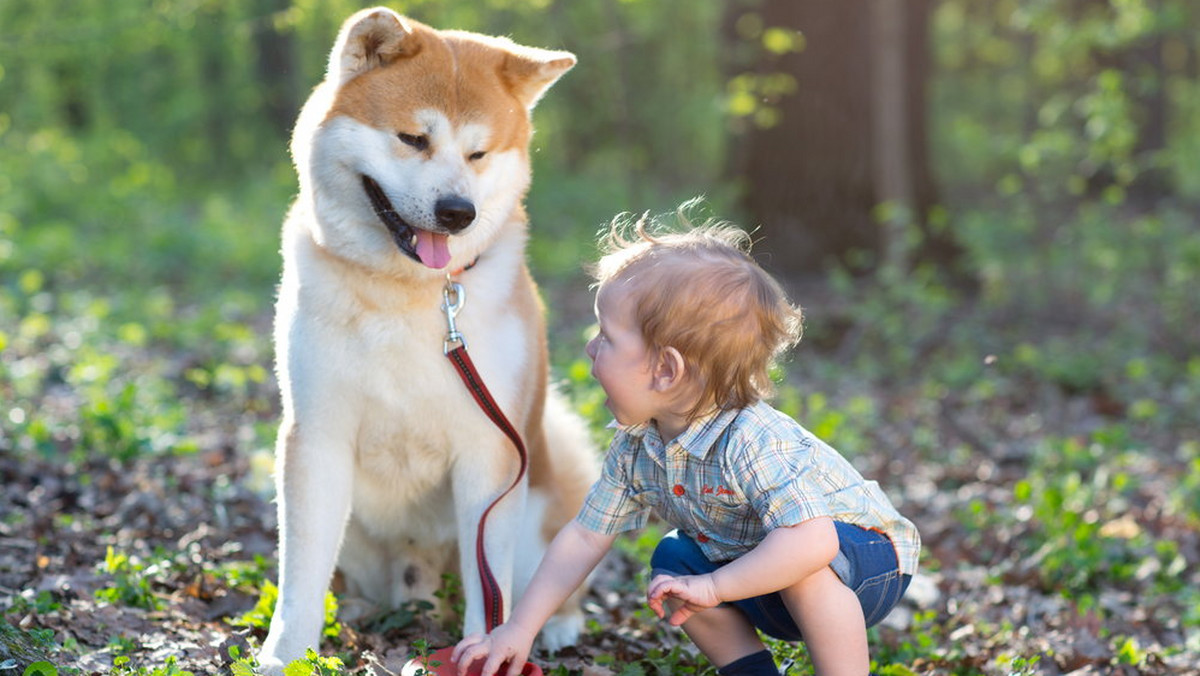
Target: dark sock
{"type": "Point", "coordinates": [755, 664]}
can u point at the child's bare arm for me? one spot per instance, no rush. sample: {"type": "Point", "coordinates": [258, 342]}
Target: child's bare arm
{"type": "Point", "coordinates": [786, 556]}
{"type": "Point", "coordinates": [573, 554]}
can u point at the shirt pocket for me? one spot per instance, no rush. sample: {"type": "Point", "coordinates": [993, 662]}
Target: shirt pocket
{"type": "Point", "coordinates": [724, 510]}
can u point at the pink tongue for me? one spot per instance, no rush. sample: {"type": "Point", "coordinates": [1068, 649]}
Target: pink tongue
{"type": "Point", "coordinates": [432, 249]}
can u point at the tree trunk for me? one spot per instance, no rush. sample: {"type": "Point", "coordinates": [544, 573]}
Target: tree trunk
{"type": "Point", "coordinates": [1149, 71]}
{"type": "Point", "coordinates": [893, 176]}
{"type": "Point", "coordinates": [808, 177]}
{"type": "Point", "coordinates": [275, 66]}
{"type": "Point", "coordinates": [851, 137]}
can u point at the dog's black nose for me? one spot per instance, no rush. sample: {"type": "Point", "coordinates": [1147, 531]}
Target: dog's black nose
{"type": "Point", "coordinates": [454, 213]}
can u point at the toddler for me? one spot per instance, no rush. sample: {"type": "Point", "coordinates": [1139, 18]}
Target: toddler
{"type": "Point", "coordinates": [774, 531]}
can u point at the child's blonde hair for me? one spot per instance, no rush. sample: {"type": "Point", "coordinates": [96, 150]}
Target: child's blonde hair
{"type": "Point", "coordinates": [695, 288]}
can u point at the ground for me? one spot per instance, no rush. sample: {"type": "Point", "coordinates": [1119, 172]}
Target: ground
{"type": "Point", "coordinates": [153, 558]}
{"type": "Point", "coordinates": [1058, 504]}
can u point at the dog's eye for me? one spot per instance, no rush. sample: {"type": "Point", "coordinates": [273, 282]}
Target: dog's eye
{"type": "Point", "coordinates": [418, 141]}
{"type": "Point", "coordinates": [477, 155]}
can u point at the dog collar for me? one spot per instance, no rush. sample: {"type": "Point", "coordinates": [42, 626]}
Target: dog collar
{"type": "Point", "coordinates": [464, 268]}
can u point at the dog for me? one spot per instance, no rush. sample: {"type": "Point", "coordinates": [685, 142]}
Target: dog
{"type": "Point", "coordinates": [413, 163]}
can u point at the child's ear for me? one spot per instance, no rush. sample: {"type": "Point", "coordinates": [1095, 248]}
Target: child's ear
{"type": "Point", "coordinates": [670, 370]}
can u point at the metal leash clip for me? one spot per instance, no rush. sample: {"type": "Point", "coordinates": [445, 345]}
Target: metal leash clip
{"type": "Point", "coordinates": [454, 296]}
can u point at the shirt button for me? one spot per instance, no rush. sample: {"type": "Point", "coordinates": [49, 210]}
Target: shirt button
{"type": "Point", "coordinates": [679, 490]}
{"type": "Point", "coordinates": [701, 538]}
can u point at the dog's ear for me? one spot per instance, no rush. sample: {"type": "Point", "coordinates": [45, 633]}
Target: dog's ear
{"type": "Point", "coordinates": [530, 71]}
{"type": "Point", "coordinates": [370, 39]}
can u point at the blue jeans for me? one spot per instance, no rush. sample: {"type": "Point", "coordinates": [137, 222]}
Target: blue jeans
{"type": "Point", "coordinates": [866, 563]}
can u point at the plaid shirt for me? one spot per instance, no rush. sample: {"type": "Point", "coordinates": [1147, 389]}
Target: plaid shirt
{"type": "Point", "coordinates": [733, 476]}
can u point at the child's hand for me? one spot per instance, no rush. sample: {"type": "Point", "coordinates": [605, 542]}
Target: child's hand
{"type": "Point", "coordinates": [690, 593]}
{"type": "Point", "coordinates": [506, 644]}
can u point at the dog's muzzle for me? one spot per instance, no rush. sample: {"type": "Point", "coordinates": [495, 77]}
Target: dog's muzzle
{"type": "Point", "coordinates": [403, 234]}
{"type": "Point", "coordinates": [428, 247]}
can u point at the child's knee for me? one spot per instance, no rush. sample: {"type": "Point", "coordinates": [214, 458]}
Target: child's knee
{"type": "Point", "coordinates": [677, 554]}
{"type": "Point", "coordinates": [822, 585]}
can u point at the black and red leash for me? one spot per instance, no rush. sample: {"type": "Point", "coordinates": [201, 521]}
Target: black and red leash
{"type": "Point", "coordinates": [455, 349]}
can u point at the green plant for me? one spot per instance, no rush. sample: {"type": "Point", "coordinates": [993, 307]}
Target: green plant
{"type": "Point", "coordinates": [1074, 503]}
{"type": "Point", "coordinates": [241, 666]}
{"type": "Point", "coordinates": [1183, 497]}
{"type": "Point", "coordinates": [844, 424]}
{"type": "Point", "coordinates": [123, 666]}
{"type": "Point", "coordinates": [314, 664]}
{"type": "Point", "coordinates": [1129, 652]}
{"type": "Point", "coordinates": [248, 575]}
{"type": "Point", "coordinates": [40, 603]}
{"type": "Point", "coordinates": [659, 662]}
{"type": "Point", "coordinates": [1018, 665]}
{"type": "Point", "coordinates": [791, 656]}
{"type": "Point", "coordinates": [450, 593]}
{"type": "Point", "coordinates": [132, 584]}
{"type": "Point", "coordinates": [122, 645]}
{"type": "Point", "coordinates": [421, 652]}
{"type": "Point", "coordinates": [259, 617]}
{"type": "Point", "coordinates": [923, 641]}
{"type": "Point", "coordinates": [400, 618]}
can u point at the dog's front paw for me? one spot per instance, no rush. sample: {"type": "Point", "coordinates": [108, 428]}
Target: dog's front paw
{"type": "Point", "coordinates": [561, 631]}
{"type": "Point", "coordinates": [269, 666]}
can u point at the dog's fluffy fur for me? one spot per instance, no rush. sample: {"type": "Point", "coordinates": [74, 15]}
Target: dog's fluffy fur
{"type": "Point", "coordinates": [413, 161]}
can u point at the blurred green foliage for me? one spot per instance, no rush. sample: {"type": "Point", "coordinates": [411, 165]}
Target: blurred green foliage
{"type": "Point", "coordinates": [148, 135]}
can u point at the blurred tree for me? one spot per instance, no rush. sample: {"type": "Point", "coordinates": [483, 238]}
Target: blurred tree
{"type": "Point", "coordinates": [832, 144]}
{"type": "Point", "coordinates": [275, 64]}
{"type": "Point", "coordinates": [1082, 99]}
{"type": "Point", "coordinates": [1141, 56]}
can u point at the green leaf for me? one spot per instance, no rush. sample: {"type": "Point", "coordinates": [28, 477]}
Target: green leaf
{"type": "Point", "coordinates": [40, 669]}
{"type": "Point", "coordinates": [298, 668]}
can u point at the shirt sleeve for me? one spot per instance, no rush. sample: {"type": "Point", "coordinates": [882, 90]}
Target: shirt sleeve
{"type": "Point", "coordinates": [610, 506]}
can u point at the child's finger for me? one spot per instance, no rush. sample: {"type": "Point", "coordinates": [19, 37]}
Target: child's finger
{"type": "Point", "coordinates": [655, 603]}
{"type": "Point", "coordinates": [660, 577]}
{"type": "Point", "coordinates": [682, 614]}
{"type": "Point", "coordinates": [464, 660]}
{"type": "Point", "coordinates": [662, 586]}
{"type": "Point", "coordinates": [495, 660]}
{"type": "Point", "coordinates": [516, 664]}
{"type": "Point", "coordinates": [463, 645]}
{"type": "Point", "coordinates": [657, 592]}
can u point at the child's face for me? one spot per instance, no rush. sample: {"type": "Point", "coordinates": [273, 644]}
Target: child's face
{"type": "Point", "coordinates": [620, 360]}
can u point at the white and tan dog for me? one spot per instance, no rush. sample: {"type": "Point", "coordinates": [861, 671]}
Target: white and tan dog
{"type": "Point", "coordinates": [413, 163]}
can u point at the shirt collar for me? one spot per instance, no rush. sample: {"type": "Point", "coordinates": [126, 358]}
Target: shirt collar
{"type": "Point", "coordinates": [697, 440]}
{"type": "Point", "coordinates": [700, 437]}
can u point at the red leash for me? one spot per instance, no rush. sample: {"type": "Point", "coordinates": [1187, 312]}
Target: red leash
{"type": "Point", "coordinates": [455, 348]}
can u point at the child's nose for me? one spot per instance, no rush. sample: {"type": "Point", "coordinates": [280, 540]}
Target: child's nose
{"type": "Point", "coordinates": [590, 349]}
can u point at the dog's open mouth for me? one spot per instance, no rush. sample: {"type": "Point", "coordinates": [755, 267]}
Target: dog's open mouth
{"type": "Point", "coordinates": [428, 248]}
